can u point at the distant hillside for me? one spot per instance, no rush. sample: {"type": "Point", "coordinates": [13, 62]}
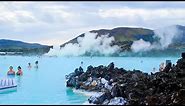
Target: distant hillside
{"type": "Point", "coordinates": [125, 36]}
{"type": "Point", "coordinates": [22, 47]}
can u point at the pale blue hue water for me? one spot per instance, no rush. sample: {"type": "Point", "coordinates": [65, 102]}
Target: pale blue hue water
{"type": "Point", "coordinates": [47, 84]}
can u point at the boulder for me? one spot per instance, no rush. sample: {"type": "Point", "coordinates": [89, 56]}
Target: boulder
{"type": "Point", "coordinates": [180, 97]}
{"type": "Point", "coordinates": [70, 75]}
{"type": "Point", "coordinates": [106, 102]}
{"type": "Point", "coordinates": [181, 63]}
{"type": "Point", "coordinates": [81, 69]}
{"type": "Point", "coordinates": [83, 77]}
{"type": "Point", "coordinates": [89, 70]}
{"type": "Point", "coordinates": [90, 79]}
{"type": "Point", "coordinates": [87, 83]}
{"type": "Point", "coordinates": [107, 86]}
{"type": "Point", "coordinates": [151, 100]}
{"type": "Point", "coordinates": [135, 77]}
{"type": "Point", "coordinates": [94, 83]}
{"type": "Point", "coordinates": [97, 99]}
{"type": "Point", "coordinates": [71, 82]}
{"type": "Point", "coordinates": [183, 55]}
{"type": "Point", "coordinates": [104, 81]}
{"type": "Point", "coordinates": [107, 77]}
{"type": "Point", "coordinates": [117, 101]}
{"type": "Point", "coordinates": [115, 91]}
{"type": "Point", "coordinates": [168, 67]}
{"type": "Point", "coordinates": [110, 67]}
{"type": "Point", "coordinates": [93, 99]}
{"type": "Point", "coordinates": [78, 71]}
{"type": "Point", "coordinates": [108, 94]}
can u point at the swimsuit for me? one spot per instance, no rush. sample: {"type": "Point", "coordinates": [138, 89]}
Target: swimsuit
{"type": "Point", "coordinates": [11, 73]}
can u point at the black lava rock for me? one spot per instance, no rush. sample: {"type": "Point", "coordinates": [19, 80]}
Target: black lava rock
{"type": "Point", "coordinates": [110, 67]}
{"type": "Point", "coordinates": [137, 88]}
{"type": "Point", "coordinates": [183, 55]}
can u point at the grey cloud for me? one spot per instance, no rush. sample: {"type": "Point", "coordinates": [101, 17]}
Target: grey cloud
{"type": "Point", "coordinates": [65, 20]}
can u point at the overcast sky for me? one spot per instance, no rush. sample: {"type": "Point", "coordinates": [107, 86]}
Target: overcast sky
{"type": "Point", "coordinates": [54, 23]}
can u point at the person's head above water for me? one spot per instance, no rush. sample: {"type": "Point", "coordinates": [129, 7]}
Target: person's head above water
{"type": "Point", "coordinates": [29, 64]}
{"type": "Point", "coordinates": [10, 67]}
{"type": "Point", "coordinates": [19, 67]}
{"type": "Point", "coordinates": [11, 71]}
{"type": "Point", "coordinates": [36, 62]}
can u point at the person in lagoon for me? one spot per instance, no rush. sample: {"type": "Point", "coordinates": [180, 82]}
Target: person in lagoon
{"type": "Point", "coordinates": [36, 64]}
{"type": "Point", "coordinates": [161, 67]}
{"type": "Point", "coordinates": [154, 70]}
{"type": "Point", "coordinates": [80, 68]}
{"type": "Point", "coordinates": [11, 72]}
{"type": "Point", "coordinates": [81, 63]}
{"type": "Point", "coordinates": [19, 72]}
{"type": "Point", "coordinates": [29, 65]}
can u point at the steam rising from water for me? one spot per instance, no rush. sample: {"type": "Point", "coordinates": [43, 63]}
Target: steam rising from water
{"type": "Point", "coordinates": [141, 45]}
{"type": "Point", "coordinates": [54, 52]}
{"type": "Point", "coordinates": [90, 43]}
{"type": "Point", "coordinates": [166, 36]}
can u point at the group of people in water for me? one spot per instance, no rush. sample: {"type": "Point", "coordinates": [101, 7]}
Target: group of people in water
{"type": "Point", "coordinates": [36, 65]}
{"type": "Point", "coordinates": [20, 72]}
{"type": "Point", "coordinates": [164, 66]}
{"type": "Point", "coordinates": [12, 72]}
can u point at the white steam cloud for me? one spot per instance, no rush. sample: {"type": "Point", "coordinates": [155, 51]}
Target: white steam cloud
{"type": "Point", "coordinates": [101, 45]}
{"type": "Point", "coordinates": [90, 43]}
{"type": "Point", "coordinates": [140, 45]}
{"type": "Point", "coordinates": [166, 36]}
{"type": "Point", "coordinates": [54, 52]}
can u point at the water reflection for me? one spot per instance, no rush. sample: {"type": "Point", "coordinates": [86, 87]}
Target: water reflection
{"type": "Point", "coordinates": [11, 76]}
{"type": "Point", "coordinates": [75, 97]}
{"type": "Point", "coordinates": [19, 81]}
{"type": "Point", "coordinates": [69, 92]}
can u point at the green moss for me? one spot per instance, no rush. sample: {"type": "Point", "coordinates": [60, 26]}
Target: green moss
{"type": "Point", "coordinates": [122, 38]}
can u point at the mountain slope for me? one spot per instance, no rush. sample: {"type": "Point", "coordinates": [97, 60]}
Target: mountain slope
{"type": "Point", "coordinates": [125, 36]}
{"type": "Point", "coordinates": [23, 47]}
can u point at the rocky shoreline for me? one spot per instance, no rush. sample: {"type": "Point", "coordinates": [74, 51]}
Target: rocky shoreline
{"type": "Point", "coordinates": [125, 87]}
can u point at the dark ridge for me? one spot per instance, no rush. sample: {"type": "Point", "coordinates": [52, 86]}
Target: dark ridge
{"type": "Point", "coordinates": [14, 47]}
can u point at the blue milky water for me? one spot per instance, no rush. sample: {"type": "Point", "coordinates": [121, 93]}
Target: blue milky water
{"type": "Point", "coordinates": [46, 85]}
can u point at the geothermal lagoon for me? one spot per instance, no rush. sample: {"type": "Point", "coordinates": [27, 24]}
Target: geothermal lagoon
{"type": "Point", "coordinates": [47, 84]}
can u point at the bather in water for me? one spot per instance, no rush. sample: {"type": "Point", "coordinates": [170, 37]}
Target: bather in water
{"type": "Point", "coordinates": [11, 71]}
{"type": "Point", "coordinates": [29, 65]}
{"type": "Point", "coordinates": [36, 64]}
{"type": "Point", "coordinates": [19, 72]}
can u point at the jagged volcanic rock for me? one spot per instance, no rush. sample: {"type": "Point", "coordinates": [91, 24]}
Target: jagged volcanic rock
{"type": "Point", "coordinates": [120, 86]}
